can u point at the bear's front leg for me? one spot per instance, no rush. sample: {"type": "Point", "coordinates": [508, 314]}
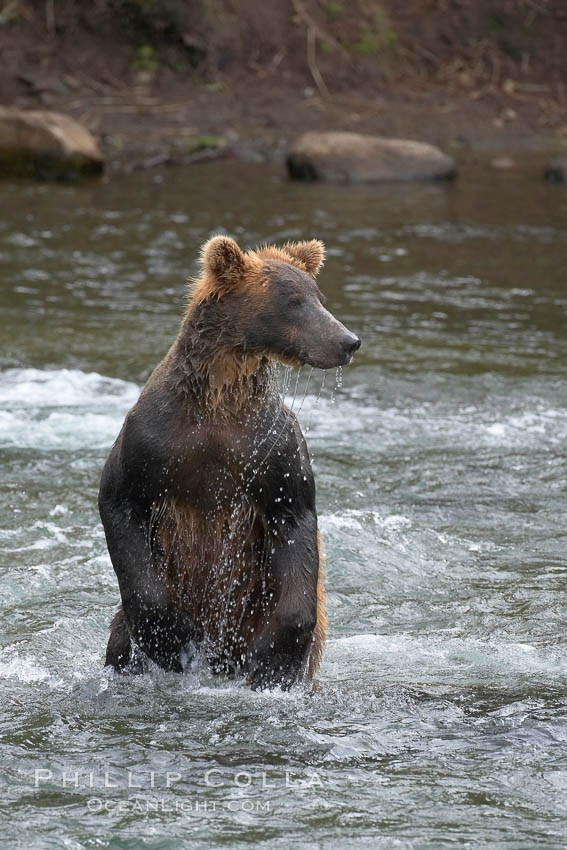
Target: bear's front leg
{"type": "Point", "coordinates": [279, 654]}
{"type": "Point", "coordinates": [156, 625]}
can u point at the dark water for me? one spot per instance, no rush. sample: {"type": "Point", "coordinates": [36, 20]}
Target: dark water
{"type": "Point", "coordinates": [441, 714]}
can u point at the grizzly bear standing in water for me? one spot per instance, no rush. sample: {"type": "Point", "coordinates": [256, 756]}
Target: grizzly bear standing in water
{"type": "Point", "coordinates": [207, 498]}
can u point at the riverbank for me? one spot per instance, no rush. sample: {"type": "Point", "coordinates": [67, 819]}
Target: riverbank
{"type": "Point", "coordinates": [139, 126]}
{"type": "Point", "coordinates": [248, 85]}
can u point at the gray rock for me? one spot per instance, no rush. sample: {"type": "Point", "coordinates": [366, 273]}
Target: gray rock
{"type": "Point", "coordinates": [556, 170]}
{"type": "Point", "coordinates": [339, 157]}
{"type": "Point", "coordinates": [46, 145]}
{"type": "Point", "coordinates": [503, 163]}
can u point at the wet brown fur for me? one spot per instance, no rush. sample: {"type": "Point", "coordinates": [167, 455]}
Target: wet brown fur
{"type": "Point", "coordinates": [210, 558]}
{"type": "Point", "coordinates": [227, 373]}
{"type": "Point", "coordinates": [209, 566]}
{"type": "Point", "coordinates": [247, 266]}
{"type": "Point", "coordinates": [320, 633]}
{"type": "Point", "coordinates": [180, 534]}
{"type": "Point", "coordinates": [210, 569]}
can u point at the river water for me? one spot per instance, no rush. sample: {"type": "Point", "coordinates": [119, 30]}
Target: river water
{"type": "Point", "coordinates": [440, 718]}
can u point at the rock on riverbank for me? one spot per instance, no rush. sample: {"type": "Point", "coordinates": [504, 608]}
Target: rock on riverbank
{"type": "Point", "coordinates": [556, 170]}
{"type": "Point", "coordinates": [341, 157]}
{"type": "Point", "coordinates": [46, 145]}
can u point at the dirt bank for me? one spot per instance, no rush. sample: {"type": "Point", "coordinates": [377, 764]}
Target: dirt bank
{"type": "Point", "coordinates": [152, 79]}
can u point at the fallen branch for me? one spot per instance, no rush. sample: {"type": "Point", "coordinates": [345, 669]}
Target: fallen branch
{"type": "Point", "coordinates": [307, 19]}
{"type": "Point", "coordinates": [175, 159]}
{"type": "Point", "coordinates": [312, 63]}
{"type": "Point", "coordinates": [314, 31]}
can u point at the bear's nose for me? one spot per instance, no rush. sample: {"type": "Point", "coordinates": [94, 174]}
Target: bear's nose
{"type": "Point", "coordinates": [350, 343]}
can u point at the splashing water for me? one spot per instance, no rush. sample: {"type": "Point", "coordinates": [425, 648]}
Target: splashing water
{"type": "Point", "coordinates": [440, 718]}
{"type": "Point", "coordinates": [315, 402]}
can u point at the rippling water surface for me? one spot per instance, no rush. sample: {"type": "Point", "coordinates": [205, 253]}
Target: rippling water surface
{"type": "Point", "coordinates": [440, 718]}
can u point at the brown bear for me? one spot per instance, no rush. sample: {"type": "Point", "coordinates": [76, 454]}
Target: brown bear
{"type": "Point", "coordinates": [208, 498]}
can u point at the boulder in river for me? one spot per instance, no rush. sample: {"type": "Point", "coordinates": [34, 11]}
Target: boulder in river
{"type": "Point", "coordinates": [556, 170]}
{"type": "Point", "coordinates": [341, 157]}
{"type": "Point", "coordinates": [46, 145]}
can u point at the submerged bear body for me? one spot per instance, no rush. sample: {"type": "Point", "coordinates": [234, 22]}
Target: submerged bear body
{"type": "Point", "coordinates": [208, 498]}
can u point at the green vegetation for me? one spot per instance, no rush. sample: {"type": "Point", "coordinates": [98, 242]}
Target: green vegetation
{"type": "Point", "coordinates": [202, 142]}
{"type": "Point", "coordinates": [377, 32]}
{"type": "Point", "coordinates": [484, 41]}
{"type": "Point", "coordinates": [333, 10]}
{"type": "Point", "coordinates": [508, 30]}
{"type": "Point", "coordinates": [145, 59]}
{"type": "Point", "coordinates": [371, 43]}
{"type": "Point", "coordinates": [166, 32]}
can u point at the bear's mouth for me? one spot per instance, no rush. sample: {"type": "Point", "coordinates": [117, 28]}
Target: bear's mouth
{"type": "Point", "coordinates": [328, 363]}
{"type": "Point", "coordinates": [294, 360]}
{"type": "Point", "coordinates": [320, 360]}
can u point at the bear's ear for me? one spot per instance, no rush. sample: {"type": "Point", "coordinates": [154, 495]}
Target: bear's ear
{"type": "Point", "coordinates": [311, 254]}
{"type": "Point", "coordinates": [222, 257]}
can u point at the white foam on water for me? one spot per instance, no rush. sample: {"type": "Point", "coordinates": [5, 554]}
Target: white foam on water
{"type": "Point", "coordinates": [354, 519]}
{"type": "Point", "coordinates": [50, 533]}
{"type": "Point", "coordinates": [68, 408]}
{"type": "Point", "coordinates": [62, 388]}
{"type": "Point", "coordinates": [429, 655]}
{"type": "Point", "coordinates": [24, 669]}
{"type": "Point", "coordinates": [352, 421]}
{"type": "Point", "coordinates": [62, 408]}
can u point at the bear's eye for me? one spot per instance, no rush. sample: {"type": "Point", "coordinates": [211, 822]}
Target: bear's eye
{"type": "Point", "coordinates": [295, 301]}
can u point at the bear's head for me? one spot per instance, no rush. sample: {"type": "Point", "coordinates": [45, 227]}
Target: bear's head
{"type": "Point", "coordinates": [266, 302]}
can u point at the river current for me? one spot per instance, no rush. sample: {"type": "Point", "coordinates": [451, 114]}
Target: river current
{"type": "Point", "coordinates": [440, 716]}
